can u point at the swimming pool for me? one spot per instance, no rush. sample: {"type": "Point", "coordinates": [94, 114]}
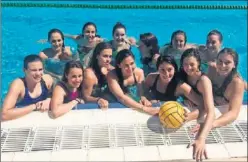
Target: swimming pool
{"type": "Point", "coordinates": [23, 27]}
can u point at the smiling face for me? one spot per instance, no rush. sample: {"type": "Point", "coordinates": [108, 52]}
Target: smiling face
{"type": "Point", "coordinates": [178, 41]}
{"type": "Point", "coordinates": [104, 58]}
{"type": "Point", "coordinates": [166, 72]}
{"type": "Point", "coordinates": [56, 41]}
{"type": "Point", "coordinates": [34, 71]}
{"type": "Point", "coordinates": [119, 36]}
{"type": "Point", "coordinates": [190, 65]}
{"type": "Point", "coordinates": [127, 66]}
{"type": "Point", "coordinates": [225, 64]}
{"type": "Point", "coordinates": [75, 77]}
{"type": "Point", "coordinates": [213, 42]}
{"type": "Point", "coordinates": [90, 33]}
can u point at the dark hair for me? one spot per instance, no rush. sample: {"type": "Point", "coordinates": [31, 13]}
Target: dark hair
{"type": "Point", "coordinates": [234, 71]}
{"type": "Point", "coordinates": [69, 65]}
{"type": "Point", "coordinates": [88, 24]}
{"type": "Point", "coordinates": [57, 31]}
{"type": "Point", "coordinates": [94, 62]}
{"type": "Point", "coordinates": [150, 40]}
{"type": "Point", "coordinates": [30, 58]}
{"type": "Point", "coordinates": [176, 33]}
{"type": "Point", "coordinates": [215, 32]}
{"type": "Point", "coordinates": [118, 25]}
{"type": "Point", "coordinates": [191, 52]}
{"type": "Point", "coordinates": [121, 55]}
{"type": "Point", "coordinates": [168, 59]}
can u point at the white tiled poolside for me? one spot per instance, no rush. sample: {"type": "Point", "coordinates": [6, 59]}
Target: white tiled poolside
{"type": "Point", "coordinates": [114, 135]}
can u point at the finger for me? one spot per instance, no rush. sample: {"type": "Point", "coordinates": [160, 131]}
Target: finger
{"type": "Point", "coordinates": [194, 152]}
{"type": "Point", "coordinates": [205, 154]}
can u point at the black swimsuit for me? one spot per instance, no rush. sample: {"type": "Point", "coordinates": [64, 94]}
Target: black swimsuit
{"type": "Point", "coordinates": [168, 95]}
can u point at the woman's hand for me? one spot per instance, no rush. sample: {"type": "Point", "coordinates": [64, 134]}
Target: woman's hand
{"type": "Point", "coordinates": [42, 41]}
{"type": "Point", "coordinates": [80, 101]}
{"type": "Point", "coordinates": [145, 102]}
{"type": "Point", "coordinates": [103, 103]}
{"type": "Point", "coordinates": [199, 149]}
{"type": "Point", "coordinates": [151, 110]}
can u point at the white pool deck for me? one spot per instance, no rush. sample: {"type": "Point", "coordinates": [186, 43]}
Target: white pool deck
{"type": "Point", "coordinates": [114, 135]}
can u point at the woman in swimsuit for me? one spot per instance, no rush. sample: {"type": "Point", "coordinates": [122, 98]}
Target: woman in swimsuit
{"type": "Point", "coordinates": [191, 74]}
{"type": "Point", "coordinates": [58, 49]}
{"type": "Point", "coordinates": [228, 86]}
{"type": "Point", "coordinates": [95, 83]}
{"type": "Point", "coordinates": [120, 40]}
{"type": "Point", "coordinates": [149, 49]}
{"type": "Point", "coordinates": [86, 42]}
{"type": "Point", "coordinates": [55, 57]}
{"type": "Point", "coordinates": [126, 83]}
{"type": "Point", "coordinates": [164, 84]}
{"type": "Point", "coordinates": [29, 93]}
{"type": "Point", "coordinates": [177, 45]}
{"type": "Point", "coordinates": [68, 93]}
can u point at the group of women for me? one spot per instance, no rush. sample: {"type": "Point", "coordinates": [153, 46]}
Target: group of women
{"type": "Point", "coordinates": [104, 71]}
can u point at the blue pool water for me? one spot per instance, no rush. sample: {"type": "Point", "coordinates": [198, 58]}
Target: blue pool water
{"type": "Point", "coordinates": [23, 27]}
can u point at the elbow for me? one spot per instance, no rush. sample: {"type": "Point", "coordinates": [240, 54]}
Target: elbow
{"type": "Point", "coordinates": [5, 116]}
{"type": "Point", "coordinates": [55, 113]}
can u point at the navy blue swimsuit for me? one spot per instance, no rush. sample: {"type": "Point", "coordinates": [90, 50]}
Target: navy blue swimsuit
{"type": "Point", "coordinates": [28, 100]}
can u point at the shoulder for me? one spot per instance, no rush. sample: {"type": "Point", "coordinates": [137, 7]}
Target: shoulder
{"type": "Point", "coordinates": [67, 49]}
{"type": "Point", "coordinates": [17, 84]}
{"type": "Point", "coordinates": [237, 81]}
{"type": "Point", "coordinates": [151, 77]}
{"type": "Point", "coordinates": [46, 50]}
{"type": "Point", "coordinates": [89, 73]}
{"type": "Point", "coordinates": [48, 80]}
{"type": "Point", "coordinates": [204, 79]}
{"type": "Point", "coordinates": [139, 71]}
{"type": "Point", "coordinates": [112, 74]}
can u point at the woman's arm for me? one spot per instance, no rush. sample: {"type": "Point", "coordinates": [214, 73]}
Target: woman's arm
{"type": "Point", "coordinates": [9, 111]}
{"type": "Point", "coordinates": [205, 87]}
{"type": "Point", "coordinates": [187, 91]}
{"type": "Point", "coordinates": [235, 103]}
{"type": "Point", "coordinates": [124, 99]}
{"type": "Point", "coordinates": [88, 83]}
{"type": "Point", "coordinates": [58, 106]}
{"type": "Point", "coordinates": [74, 37]}
{"type": "Point", "coordinates": [42, 55]}
{"type": "Point", "coordinates": [141, 88]}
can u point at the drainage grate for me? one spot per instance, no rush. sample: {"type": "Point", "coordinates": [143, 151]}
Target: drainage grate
{"type": "Point", "coordinates": [110, 135]}
{"type": "Point", "coordinates": [43, 139]}
{"type": "Point", "coordinates": [229, 134]}
{"type": "Point", "coordinates": [212, 137]}
{"type": "Point", "coordinates": [126, 135]}
{"type": "Point", "coordinates": [14, 140]}
{"type": "Point", "coordinates": [242, 127]}
{"type": "Point", "coordinates": [99, 136]}
{"type": "Point", "coordinates": [72, 137]}
{"type": "Point", "coordinates": [154, 135]}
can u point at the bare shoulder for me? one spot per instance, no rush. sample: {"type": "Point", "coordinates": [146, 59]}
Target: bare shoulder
{"type": "Point", "coordinates": [48, 80]}
{"type": "Point", "coordinates": [151, 78]}
{"type": "Point", "coordinates": [89, 74]}
{"type": "Point", "coordinates": [112, 74]}
{"type": "Point", "coordinates": [204, 79]}
{"type": "Point", "coordinates": [237, 81]}
{"type": "Point", "coordinates": [17, 84]}
{"type": "Point", "coordinates": [139, 71]}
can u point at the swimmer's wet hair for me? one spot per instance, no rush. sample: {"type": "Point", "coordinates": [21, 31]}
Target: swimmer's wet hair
{"type": "Point", "coordinates": [56, 31]}
{"type": "Point", "coordinates": [176, 33]}
{"type": "Point", "coordinates": [216, 32]}
{"type": "Point", "coordinates": [30, 58]}
{"type": "Point", "coordinates": [118, 25]}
